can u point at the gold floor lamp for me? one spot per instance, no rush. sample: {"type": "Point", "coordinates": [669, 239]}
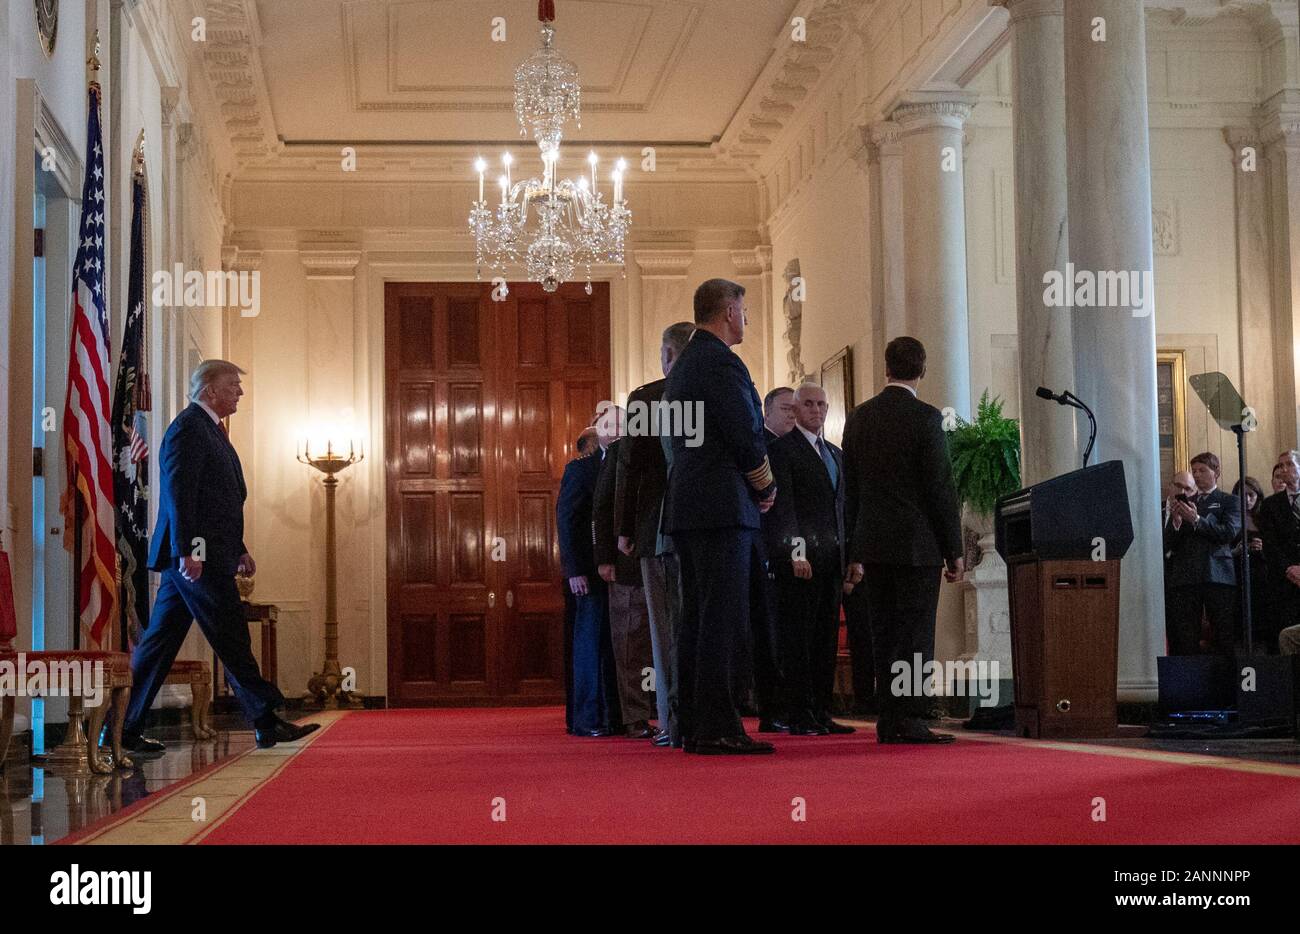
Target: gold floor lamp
{"type": "Point", "coordinates": [325, 688]}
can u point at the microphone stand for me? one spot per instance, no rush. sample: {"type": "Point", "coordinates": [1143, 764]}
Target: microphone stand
{"type": "Point", "coordinates": [1071, 399]}
{"type": "Point", "coordinates": [1247, 623]}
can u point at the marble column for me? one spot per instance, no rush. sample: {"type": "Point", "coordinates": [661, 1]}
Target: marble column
{"type": "Point", "coordinates": [1109, 164]}
{"type": "Point", "coordinates": [1048, 440]}
{"type": "Point", "coordinates": [1255, 296]}
{"type": "Point", "coordinates": [934, 241]}
{"type": "Point", "coordinates": [1281, 137]}
{"type": "Point", "coordinates": [889, 319]}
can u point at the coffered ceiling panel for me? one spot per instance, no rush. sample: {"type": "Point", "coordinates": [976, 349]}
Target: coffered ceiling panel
{"type": "Point", "coordinates": [430, 71]}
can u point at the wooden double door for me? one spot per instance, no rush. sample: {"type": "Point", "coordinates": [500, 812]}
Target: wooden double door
{"type": "Point", "coordinates": [483, 402]}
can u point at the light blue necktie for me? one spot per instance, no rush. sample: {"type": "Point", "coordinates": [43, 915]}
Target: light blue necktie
{"type": "Point", "coordinates": [829, 461]}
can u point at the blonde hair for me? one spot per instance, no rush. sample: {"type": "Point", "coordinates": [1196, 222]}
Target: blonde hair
{"type": "Point", "coordinates": [206, 372]}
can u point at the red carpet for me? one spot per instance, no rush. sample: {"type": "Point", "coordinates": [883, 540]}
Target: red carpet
{"type": "Point", "coordinates": [431, 776]}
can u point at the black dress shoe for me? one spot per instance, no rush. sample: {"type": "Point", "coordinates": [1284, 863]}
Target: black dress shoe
{"type": "Point", "coordinates": [773, 726]}
{"type": "Point", "coordinates": [730, 746]}
{"type": "Point", "coordinates": [282, 731]}
{"type": "Point", "coordinates": [596, 734]}
{"type": "Point", "coordinates": [916, 734]}
{"type": "Point", "coordinates": [809, 728]}
{"type": "Point", "coordinates": [142, 745]}
{"type": "Point", "coordinates": [640, 729]}
{"type": "Point", "coordinates": [832, 727]}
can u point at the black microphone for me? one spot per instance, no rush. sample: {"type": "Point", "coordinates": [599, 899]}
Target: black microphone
{"type": "Point", "coordinates": [1068, 398]}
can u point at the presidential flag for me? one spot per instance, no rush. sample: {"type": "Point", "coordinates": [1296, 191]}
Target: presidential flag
{"type": "Point", "coordinates": [131, 404]}
{"type": "Point", "coordinates": [87, 441]}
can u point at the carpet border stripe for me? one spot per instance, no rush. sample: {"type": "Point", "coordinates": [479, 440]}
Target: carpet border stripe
{"type": "Point", "coordinates": [1151, 755]}
{"type": "Point", "coordinates": [121, 825]}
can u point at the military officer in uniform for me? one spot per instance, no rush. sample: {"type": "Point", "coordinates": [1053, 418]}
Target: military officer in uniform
{"type": "Point", "coordinates": [718, 485]}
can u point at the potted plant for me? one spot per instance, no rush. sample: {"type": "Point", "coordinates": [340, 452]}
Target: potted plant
{"type": "Point", "coordinates": [985, 457]}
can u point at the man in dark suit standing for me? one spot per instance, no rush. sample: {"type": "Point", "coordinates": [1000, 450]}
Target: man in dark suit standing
{"type": "Point", "coordinates": [719, 483]}
{"type": "Point", "coordinates": [629, 620]}
{"type": "Point", "coordinates": [1200, 573]}
{"type": "Point", "coordinates": [1279, 526]}
{"type": "Point", "coordinates": [198, 545]}
{"type": "Point", "coordinates": [807, 557]}
{"type": "Point", "coordinates": [904, 523]}
{"type": "Point", "coordinates": [778, 413]}
{"type": "Point", "coordinates": [594, 706]}
{"type": "Point", "coordinates": [643, 473]}
{"type": "Point", "coordinates": [769, 687]}
{"type": "Point", "coordinates": [584, 445]}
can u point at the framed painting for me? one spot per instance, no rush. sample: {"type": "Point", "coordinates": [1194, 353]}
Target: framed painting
{"type": "Point", "coordinates": [837, 380]}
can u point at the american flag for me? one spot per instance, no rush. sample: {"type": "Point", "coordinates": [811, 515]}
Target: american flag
{"type": "Point", "coordinates": [86, 437]}
{"type": "Point", "coordinates": [131, 404]}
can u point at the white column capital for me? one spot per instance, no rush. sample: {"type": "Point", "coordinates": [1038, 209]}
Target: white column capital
{"type": "Point", "coordinates": [330, 260]}
{"type": "Point", "coordinates": [1028, 9]}
{"type": "Point", "coordinates": [923, 110]}
{"type": "Point", "coordinates": [663, 264]}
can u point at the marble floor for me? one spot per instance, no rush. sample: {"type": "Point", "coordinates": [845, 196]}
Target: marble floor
{"type": "Point", "coordinates": [40, 805]}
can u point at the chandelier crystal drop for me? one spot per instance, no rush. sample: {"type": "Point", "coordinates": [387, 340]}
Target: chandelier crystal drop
{"type": "Point", "coordinates": [572, 224]}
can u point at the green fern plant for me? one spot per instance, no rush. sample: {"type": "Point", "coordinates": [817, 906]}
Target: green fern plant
{"type": "Point", "coordinates": [985, 456]}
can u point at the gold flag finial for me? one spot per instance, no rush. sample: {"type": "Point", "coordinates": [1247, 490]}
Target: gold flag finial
{"type": "Point", "coordinates": [137, 157]}
{"type": "Point", "coordinates": [93, 62]}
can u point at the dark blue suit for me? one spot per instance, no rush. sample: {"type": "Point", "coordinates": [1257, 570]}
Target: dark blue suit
{"type": "Point", "coordinates": [593, 704]}
{"type": "Point", "coordinates": [200, 515]}
{"type": "Point", "coordinates": [711, 512]}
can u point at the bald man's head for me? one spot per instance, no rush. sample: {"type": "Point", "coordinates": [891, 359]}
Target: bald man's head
{"type": "Point", "coordinates": [1182, 483]}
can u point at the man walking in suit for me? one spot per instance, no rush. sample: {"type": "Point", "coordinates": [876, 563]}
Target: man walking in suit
{"type": "Point", "coordinates": [902, 513]}
{"type": "Point", "coordinates": [1200, 572]}
{"type": "Point", "coordinates": [643, 470]}
{"type": "Point", "coordinates": [593, 710]}
{"type": "Point", "coordinates": [629, 620]}
{"type": "Point", "coordinates": [717, 487]}
{"type": "Point", "coordinates": [808, 560]}
{"type": "Point", "coordinates": [198, 545]}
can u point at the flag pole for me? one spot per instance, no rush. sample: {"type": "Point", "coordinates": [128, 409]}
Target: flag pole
{"type": "Point", "coordinates": [73, 752]}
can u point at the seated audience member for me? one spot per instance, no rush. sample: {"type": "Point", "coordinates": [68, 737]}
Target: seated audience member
{"type": "Point", "coordinates": [1200, 526]}
{"type": "Point", "coordinates": [1278, 483]}
{"type": "Point", "coordinates": [1279, 526]}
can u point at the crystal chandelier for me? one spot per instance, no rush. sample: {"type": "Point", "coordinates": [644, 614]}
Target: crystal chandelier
{"type": "Point", "coordinates": [575, 226]}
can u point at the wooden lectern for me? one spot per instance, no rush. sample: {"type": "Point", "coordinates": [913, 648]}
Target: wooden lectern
{"type": "Point", "coordinates": [1062, 540]}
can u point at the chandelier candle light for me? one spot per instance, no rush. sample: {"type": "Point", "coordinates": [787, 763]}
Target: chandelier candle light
{"type": "Point", "coordinates": [326, 687]}
{"type": "Point", "coordinates": [575, 225]}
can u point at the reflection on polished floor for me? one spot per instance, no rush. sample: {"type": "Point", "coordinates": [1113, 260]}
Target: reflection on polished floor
{"type": "Point", "coordinates": [41, 805]}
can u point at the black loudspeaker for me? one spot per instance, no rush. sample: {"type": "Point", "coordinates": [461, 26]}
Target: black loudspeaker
{"type": "Point", "coordinates": [1195, 682]}
{"type": "Point", "coordinates": [1277, 688]}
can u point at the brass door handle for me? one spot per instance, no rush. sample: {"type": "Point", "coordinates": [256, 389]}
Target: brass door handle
{"type": "Point", "coordinates": [492, 599]}
{"type": "Point", "coordinates": [510, 598]}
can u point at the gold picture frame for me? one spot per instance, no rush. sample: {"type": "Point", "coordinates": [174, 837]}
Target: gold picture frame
{"type": "Point", "coordinates": [1171, 411]}
{"type": "Point", "coordinates": [837, 380]}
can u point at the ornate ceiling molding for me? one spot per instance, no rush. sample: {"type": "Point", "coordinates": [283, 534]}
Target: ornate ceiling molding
{"type": "Point", "coordinates": [234, 71]}
{"type": "Point", "coordinates": [792, 74]}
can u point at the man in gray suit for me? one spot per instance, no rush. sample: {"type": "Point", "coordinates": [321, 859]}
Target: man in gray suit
{"type": "Point", "coordinates": [642, 479]}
